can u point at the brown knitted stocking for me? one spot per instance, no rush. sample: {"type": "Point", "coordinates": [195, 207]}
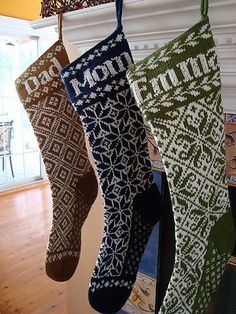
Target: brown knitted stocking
{"type": "Point", "coordinates": [62, 144]}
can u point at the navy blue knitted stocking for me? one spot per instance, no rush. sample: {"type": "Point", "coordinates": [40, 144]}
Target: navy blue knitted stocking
{"type": "Point", "coordinates": [97, 86]}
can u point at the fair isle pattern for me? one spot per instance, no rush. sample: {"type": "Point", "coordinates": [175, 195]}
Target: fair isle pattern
{"type": "Point", "coordinates": [116, 133]}
{"type": "Point", "coordinates": [178, 90]}
{"type": "Point", "coordinates": [61, 141]}
{"type": "Point", "coordinates": [213, 270]}
{"type": "Point", "coordinates": [66, 161]}
{"type": "Point", "coordinates": [109, 69]}
{"type": "Point", "coordinates": [110, 284]}
{"type": "Point", "coordinates": [118, 141]}
{"type": "Point", "coordinates": [37, 77]}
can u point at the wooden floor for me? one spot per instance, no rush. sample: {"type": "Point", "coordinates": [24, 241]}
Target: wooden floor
{"type": "Point", "coordinates": [24, 226]}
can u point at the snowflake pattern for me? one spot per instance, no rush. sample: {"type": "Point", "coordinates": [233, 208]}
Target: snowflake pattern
{"type": "Point", "coordinates": [114, 126]}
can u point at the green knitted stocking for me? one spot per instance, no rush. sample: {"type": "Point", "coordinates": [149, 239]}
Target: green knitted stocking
{"type": "Point", "coordinates": [178, 91]}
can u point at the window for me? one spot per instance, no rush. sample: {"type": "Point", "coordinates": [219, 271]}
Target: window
{"type": "Point", "coordinates": [20, 160]}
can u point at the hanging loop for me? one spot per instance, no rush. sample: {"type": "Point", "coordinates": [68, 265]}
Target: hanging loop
{"type": "Point", "coordinates": [204, 8]}
{"type": "Point", "coordinates": [60, 26]}
{"type": "Point", "coordinates": [119, 9]}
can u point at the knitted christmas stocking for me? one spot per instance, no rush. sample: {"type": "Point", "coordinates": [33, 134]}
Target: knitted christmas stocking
{"type": "Point", "coordinates": [99, 90]}
{"type": "Point", "coordinates": [62, 145]}
{"type": "Point", "coordinates": [178, 90]}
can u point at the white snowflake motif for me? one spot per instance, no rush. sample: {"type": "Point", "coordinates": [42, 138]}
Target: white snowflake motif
{"type": "Point", "coordinates": [122, 82]}
{"type": "Point", "coordinates": [78, 103]}
{"type": "Point", "coordinates": [91, 56]}
{"type": "Point", "coordinates": [65, 74]}
{"type": "Point", "coordinates": [108, 88]}
{"type": "Point", "coordinates": [93, 95]}
{"type": "Point", "coordinates": [119, 37]}
{"type": "Point", "coordinates": [78, 66]}
{"type": "Point", "coordinates": [104, 48]}
{"type": "Point", "coordinates": [103, 122]}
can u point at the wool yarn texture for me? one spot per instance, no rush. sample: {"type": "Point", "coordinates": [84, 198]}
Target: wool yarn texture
{"type": "Point", "coordinates": [61, 140]}
{"type": "Point", "coordinates": [178, 89]}
{"type": "Point", "coordinates": [97, 85]}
